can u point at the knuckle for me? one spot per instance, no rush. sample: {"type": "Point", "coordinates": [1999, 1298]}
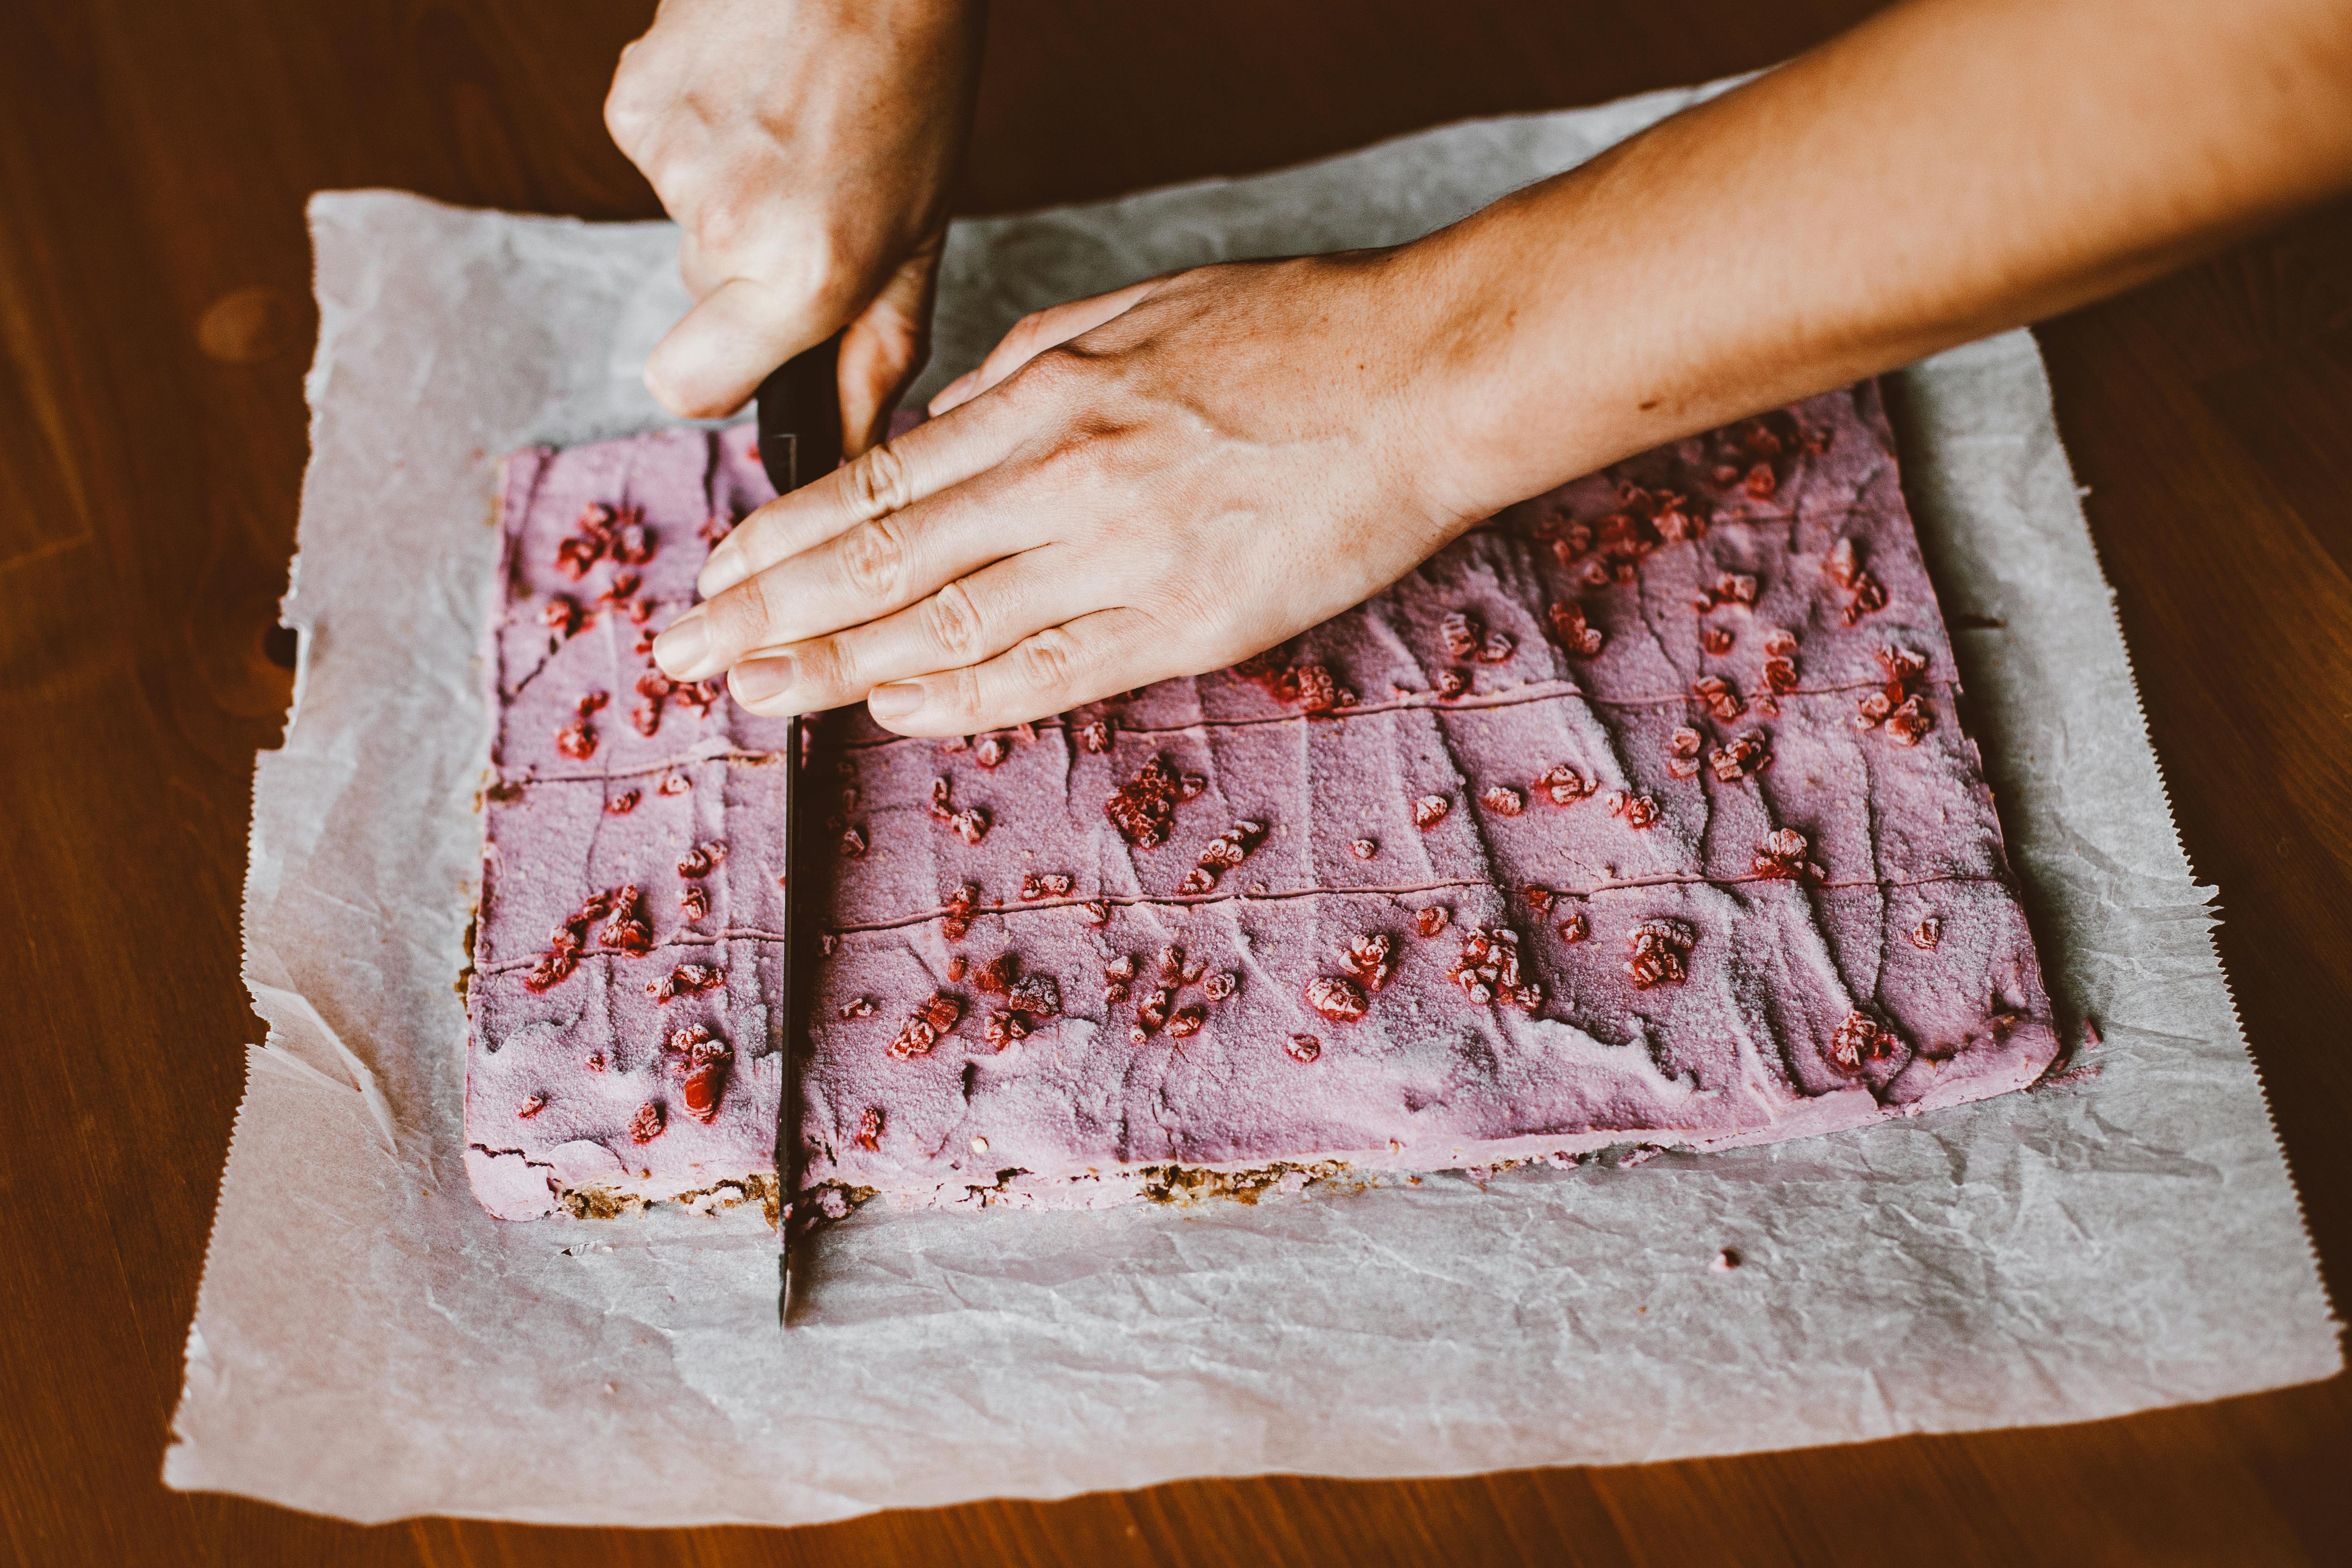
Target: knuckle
{"type": "Point", "coordinates": [829, 666]}
{"type": "Point", "coordinates": [1028, 331]}
{"type": "Point", "coordinates": [628, 110]}
{"type": "Point", "coordinates": [879, 483]}
{"type": "Point", "coordinates": [1047, 661]}
{"type": "Point", "coordinates": [723, 219]}
{"type": "Point", "coordinates": [1082, 456]}
{"type": "Point", "coordinates": [740, 616]}
{"type": "Point", "coordinates": [962, 695]}
{"type": "Point", "coordinates": [873, 559]}
{"type": "Point", "coordinates": [1052, 374]}
{"type": "Point", "coordinates": [953, 622]}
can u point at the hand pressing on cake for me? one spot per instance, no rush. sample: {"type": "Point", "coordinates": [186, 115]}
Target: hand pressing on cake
{"type": "Point", "coordinates": [1167, 479]}
{"type": "Point", "coordinates": [1159, 481]}
{"type": "Point", "coordinates": [805, 147]}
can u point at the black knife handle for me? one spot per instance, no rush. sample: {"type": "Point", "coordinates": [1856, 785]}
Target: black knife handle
{"type": "Point", "coordinates": [800, 417]}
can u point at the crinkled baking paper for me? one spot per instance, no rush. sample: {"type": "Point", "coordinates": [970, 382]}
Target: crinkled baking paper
{"type": "Point", "coordinates": [369, 1343]}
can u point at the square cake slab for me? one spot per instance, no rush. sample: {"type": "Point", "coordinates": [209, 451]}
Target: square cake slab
{"type": "Point", "coordinates": [1640, 815]}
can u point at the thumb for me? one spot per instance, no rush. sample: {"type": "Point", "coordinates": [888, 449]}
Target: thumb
{"type": "Point", "coordinates": [716, 356]}
{"type": "Point", "coordinates": [884, 348]}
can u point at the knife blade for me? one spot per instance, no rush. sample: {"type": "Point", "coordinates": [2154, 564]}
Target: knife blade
{"type": "Point", "coordinates": [799, 413]}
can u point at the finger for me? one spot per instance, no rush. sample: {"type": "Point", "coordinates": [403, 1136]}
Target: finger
{"type": "Point", "coordinates": [633, 104]}
{"type": "Point", "coordinates": [859, 575]}
{"type": "Point", "coordinates": [1081, 660]}
{"type": "Point", "coordinates": [929, 459]}
{"type": "Point", "coordinates": [973, 618]}
{"type": "Point", "coordinates": [715, 358]}
{"type": "Point", "coordinates": [884, 347]}
{"type": "Point", "coordinates": [700, 274]}
{"type": "Point", "coordinates": [1035, 333]}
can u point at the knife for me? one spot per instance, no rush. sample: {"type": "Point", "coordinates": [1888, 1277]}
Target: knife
{"type": "Point", "coordinates": [799, 442]}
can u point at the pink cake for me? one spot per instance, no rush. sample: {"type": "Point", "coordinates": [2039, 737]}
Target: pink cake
{"type": "Point", "coordinates": [1638, 815]}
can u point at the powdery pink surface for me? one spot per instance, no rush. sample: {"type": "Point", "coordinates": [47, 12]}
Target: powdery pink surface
{"type": "Point", "coordinates": [1743, 1048]}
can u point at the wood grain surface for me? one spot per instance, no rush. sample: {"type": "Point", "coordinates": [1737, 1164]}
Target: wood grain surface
{"type": "Point", "coordinates": [155, 317]}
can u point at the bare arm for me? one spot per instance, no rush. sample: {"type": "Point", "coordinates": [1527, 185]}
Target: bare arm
{"type": "Point", "coordinates": [1170, 478]}
{"type": "Point", "coordinates": [1948, 169]}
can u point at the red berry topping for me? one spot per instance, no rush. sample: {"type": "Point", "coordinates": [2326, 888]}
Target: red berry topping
{"type": "Point", "coordinates": [1144, 809]}
{"type": "Point", "coordinates": [1488, 969]}
{"type": "Point", "coordinates": [1909, 722]}
{"type": "Point", "coordinates": [1659, 953]}
{"type": "Point", "coordinates": [1369, 958]}
{"type": "Point", "coordinates": [1562, 785]}
{"type": "Point", "coordinates": [1503, 801]}
{"type": "Point", "coordinates": [1782, 856]}
{"type": "Point", "coordinates": [1318, 692]}
{"type": "Point", "coordinates": [552, 967]}
{"type": "Point", "coordinates": [705, 1082]}
{"type": "Point", "coordinates": [626, 931]}
{"type": "Point", "coordinates": [1570, 629]}
{"type": "Point", "coordinates": [1739, 758]}
{"type": "Point", "coordinates": [1721, 700]}
{"type": "Point", "coordinates": [1860, 1039]}
{"type": "Point", "coordinates": [1341, 1001]}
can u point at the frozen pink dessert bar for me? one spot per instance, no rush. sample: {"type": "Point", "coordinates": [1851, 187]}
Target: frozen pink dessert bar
{"type": "Point", "coordinates": [1641, 814]}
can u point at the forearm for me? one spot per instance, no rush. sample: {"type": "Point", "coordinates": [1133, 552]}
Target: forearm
{"type": "Point", "coordinates": [1952, 168]}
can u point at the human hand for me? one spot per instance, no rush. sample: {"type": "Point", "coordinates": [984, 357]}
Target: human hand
{"type": "Point", "coordinates": [1135, 487]}
{"type": "Point", "coordinates": [805, 147]}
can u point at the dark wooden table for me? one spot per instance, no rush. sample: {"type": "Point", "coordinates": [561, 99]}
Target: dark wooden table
{"type": "Point", "coordinates": [156, 315]}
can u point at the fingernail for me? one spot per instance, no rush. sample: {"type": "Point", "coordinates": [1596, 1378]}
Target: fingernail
{"type": "Point", "coordinates": [894, 701]}
{"type": "Point", "coordinates": [683, 650]}
{"type": "Point", "coordinates": [755, 680]}
{"type": "Point", "coordinates": [725, 568]}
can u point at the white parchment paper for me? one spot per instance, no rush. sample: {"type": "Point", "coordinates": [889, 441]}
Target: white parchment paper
{"type": "Point", "coordinates": [368, 1343]}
